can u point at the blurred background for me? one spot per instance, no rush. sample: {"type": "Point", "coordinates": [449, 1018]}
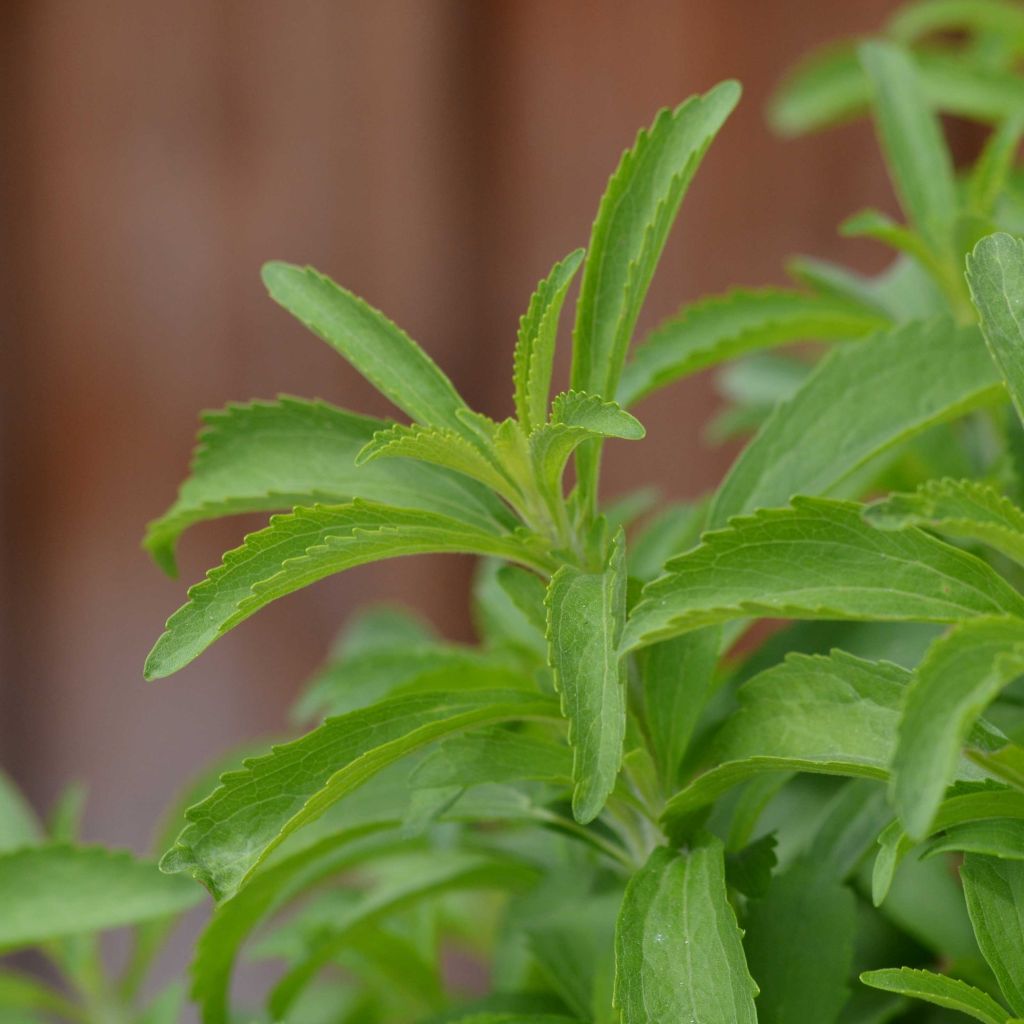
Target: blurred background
{"type": "Point", "coordinates": [436, 157]}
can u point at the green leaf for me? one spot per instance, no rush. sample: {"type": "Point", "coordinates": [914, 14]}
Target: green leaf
{"type": "Point", "coordinates": [633, 221]}
{"type": "Point", "coordinates": [21, 993]}
{"type": "Point", "coordinates": [804, 910]}
{"type": "Point", "coordinates": [678, 955]}
{"type": "Point", "coordinates": [967, 806]}
{"type": "Point", "coordinates": [574, 946]}
{"type": "Point", "coordinates": [916, 152]}
{"type": "Point", "coordinates": [535, 348]}
{"type": "Point", "coordinates": [995, 274]}
{"type": "Point", "coordinates": [859, 401]}
{"type": "Point", "coordinates": [18, 824]}
{"type": "Point", "coordinates": [817, 560]}
{"type": "Point", "coordinates": [995, 900]}
{"type": "Point", "coordinates": [838, 282]}
{"type": "Point", "coordinates": [406, 879]}
{"type": "Point", "coordinates": [723, 327]}
{"type": "Point", "coordinates": [825, 87]}
{"type": "Point", "coordinates": [632, 225]}
{"type": "Point", "coordinates": [849, 828]}
{"type": "Point", "coordinates": [997, 837]}
{"type": "Point", "coordinates": [988, 177]}
{"type": "Point", "coordinates": [939, 990]}
{"type": "Point", "coordinates": [301, 548]}
{"type": "Point", "coordinates": [962, 673]}
{"type": "Point", "coordinates": [925, 17]}
{"type": "Point", "coordinates": [834, 715]}
{"type": "Point", "coordinates": [233, 830]}
{"type": "Point", "coordinates": [586, 613]}
{"type": "Point", "coordinates": [493, 756]}
{"type": "Point", "coordinates": [366, 677]}
{"type": "Point", "coordinates": [882, 228]}
{"type": "Point", "coordinates": [52, 891]}
{"type": "Point", "coordinates": [966, 509]}
{"type": "Point", "coordinates": [576, 417]}
{"type": "Point", "coordinates": [439, 447]}
{"type": "Point", "coordinates": [234, 919]}
{"type": "Point", "coordinates": [383, 353]}
{"type": "Point", "coordinates": [830, 86]}
{"type": "Point", "coordinates": [268, 456]}
{"type": "Point", "coordinates": [678, 679]}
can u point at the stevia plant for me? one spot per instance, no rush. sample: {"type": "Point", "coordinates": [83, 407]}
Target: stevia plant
{"type": "Point", "coordinates": [622, 805]}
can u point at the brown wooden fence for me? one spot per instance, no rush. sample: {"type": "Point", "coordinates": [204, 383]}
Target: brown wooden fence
{"type": "Point", "coordinates": [436, 156]}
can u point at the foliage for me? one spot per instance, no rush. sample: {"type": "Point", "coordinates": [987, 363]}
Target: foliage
{"type": "Point", "coordinates": [622, 810]}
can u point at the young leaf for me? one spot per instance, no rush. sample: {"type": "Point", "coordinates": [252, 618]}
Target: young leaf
{"type": "Point", "coordinates": [995, 274]}
{"type": "Point", "coordinates": [995, 900]}
{"type": "Point", "coordinates": [817, 560]}
{"type": "Point", "coordinates": [298, 549]}
{"type": "Point", "coordinates": [967, 509]}
{"type": "Point", "coordinates": [969, 805]}
{"type": "Point", "coordinates": [18, 825]}
{"type": "Point", "coordinates": [383, 353]}
{"type": "Point", "coordinates": [268, 456]}
{"type": "Point", "coordinates": [535, 348]}
{"type": "Point", "coordinates": [804, 910]}
{"type": "Point", "coordinates": [586, 613]}
{"type": "Point", "coordinates": [833, 715]}
{"type": "Point", "coordinates": [48, 892]}
{"type": "Point", "coordinates": [989, 175]}
{"type": "Point", "coordinates": [678, 955]}
{"type": "Point", "coordinates": [925, 17]}
{"type": "Point", "coordinates": [997, 837]}
{"type": "Point", "coordinates": [632, 225]}
{"type": "Point", "coordinates": [714, 330]}
{"type": "Point", "coordinates": [575, 417]}
{"type": "Point", "coordinates": [678, 679]}
{"type": "Point", "coordinates": [919, 161]}
{"type": "Point", "coordinates": [963, 672]}
{"type": "Point", "coordinates": [939, 990]}
{"type": "Point", "coordinates": [859, 401]}
{"type": "Point", "coordinates": [438, 447]}
{"type": "Point", "coordinates": [231, 832]}
{"type": "Point", "coordinates": [827, 87]}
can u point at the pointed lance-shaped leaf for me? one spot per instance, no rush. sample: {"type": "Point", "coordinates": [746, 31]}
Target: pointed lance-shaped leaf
{"type": "Point", "coordinates": [995, 274]}
{"type": "Point", "coordinates": [678, 954]}
{"type": "Point", "coordinates": [939, 990]}
{"type": "Point", "coordinates": [53, 891]}
{"type": "Point", "coordinates": [272, 456]}
{"type": "Point", "coordinates": [861, 400]}
{"type": "Point", "coordinates": [919, 162]}
{"type": "Point", "coordinates": [301, 548]}
{"type": "Point", "coordinates": [230, 833]}
{"type": "Point", "coordinates": [725, 327]}
{"type": "Point", "coordinates": [586, 613]}
{"type": "Point", "coordinates": [834, 715]}
{"type": "Point", "coordinates": [966, 509]}
{"type": "Point", "coordinates": [962, 673]}
{"type": "Point", "coordinates": [382, 352]}
{"type": "Point", "coordinates": [817, 559]}
{"type": "Point", "coordinates": [994, 890]}
{"type": "Point", "coordinates": [535, 347]}
{"type": "Point", "coordinates": [633, 221]}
